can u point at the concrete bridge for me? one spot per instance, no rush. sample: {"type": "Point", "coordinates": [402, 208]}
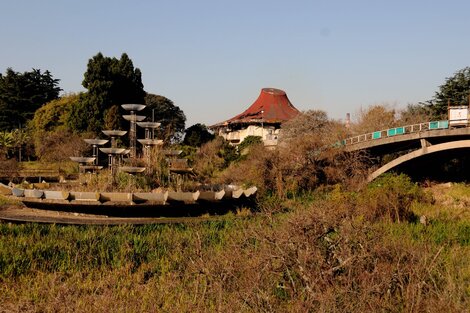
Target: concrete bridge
{"type": "Point", "coordinates": [415, 140]}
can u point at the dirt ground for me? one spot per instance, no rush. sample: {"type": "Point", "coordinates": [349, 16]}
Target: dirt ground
{"type": "Point", "coordinates": [20, 214]}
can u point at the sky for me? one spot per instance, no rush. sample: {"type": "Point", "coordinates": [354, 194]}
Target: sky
{"type": "Point", "coordinates": [212, 58]}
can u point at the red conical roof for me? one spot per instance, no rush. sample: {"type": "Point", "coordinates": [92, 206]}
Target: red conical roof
{"type": "Point", "coordinates": [272, 106]}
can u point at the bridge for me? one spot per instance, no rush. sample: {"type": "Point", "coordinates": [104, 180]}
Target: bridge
{"type": "Point", "coordinates": [415, 141]}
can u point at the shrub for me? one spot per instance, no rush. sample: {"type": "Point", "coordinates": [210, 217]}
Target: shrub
{"type": "Point", "coordinates": [305, 159]}
{"type": "Point", "coordinates": [212, 158]}
{"type": "Point", "coordinates": [244, 146]}
{"type": "Point", "coordinates": [390, 196]}
{"type": "Point", "coordinates": [58, 146]}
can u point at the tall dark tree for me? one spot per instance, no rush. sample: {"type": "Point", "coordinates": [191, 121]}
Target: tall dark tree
{"type": "Point", "coordinates": [110, 81]}
{"type": "Point", "coordinates": [21, 94]}
{"type": "Point", "coordinates": [170, 116]}
{"type": "Point", "coordinates": [455, 91]}
{"type": "Point", "coordinates": [197, 135]}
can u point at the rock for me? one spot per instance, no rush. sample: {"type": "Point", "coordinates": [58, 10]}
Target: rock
{"type": "Point", "coordinates": [423, 220]}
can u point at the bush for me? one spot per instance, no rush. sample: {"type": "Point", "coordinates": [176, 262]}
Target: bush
{"type": "Point", "coordinates": [390, 197]}
{"type": "Point", "coordinates": [212, 158]}
{"type": "Point", "coordinates": [58, 146]}
{"type": "Point", "coordinates": [244, 146]}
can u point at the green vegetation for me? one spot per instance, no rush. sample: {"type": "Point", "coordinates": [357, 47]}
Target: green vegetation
{"type": "Point", "coordinates": [197, 135]}
{"type": "Point", "coordinates": [37, 124]}
{"type": "Point", "coordinates": [21, 94]}
{"type": "Point", "coordinates": [321, 241]}
{"type": "Point", "coordinates": [455, 91]}
{"type": "Point", "coordinates": [110, 82]}
{"type": "Point", "coordinates": [324, 252]}
{"type": "Point", "coordinates": [169, 115]}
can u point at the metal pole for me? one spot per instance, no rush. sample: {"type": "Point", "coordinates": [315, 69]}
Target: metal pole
{"type": "Point", "coordinates": [262, 126]}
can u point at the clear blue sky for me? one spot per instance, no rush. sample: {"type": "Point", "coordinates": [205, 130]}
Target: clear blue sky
{"type": "Point", "coordinates": [213, 57]}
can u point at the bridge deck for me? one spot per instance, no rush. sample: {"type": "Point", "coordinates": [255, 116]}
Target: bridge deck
{"type": "Point", "coordinates": [408, 141]}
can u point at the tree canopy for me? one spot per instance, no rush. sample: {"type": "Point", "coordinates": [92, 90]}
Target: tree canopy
{"type": "Point", "coordinates": [21, 94]}
{"type": "Point", "coordinates": [311, 121]}
{"type": "Point", "coordinates": [110, 82]}
{"type": "Point", "coordinates": [197, 135]}
{"type": "Point", "coordinates": [373, 118]}
{"type": "Point", "coordinates": [54, 115]}
{"type": "Point", "coordinates": [455, 91]}
{"type": "Point", "coordinates": [170, 116]}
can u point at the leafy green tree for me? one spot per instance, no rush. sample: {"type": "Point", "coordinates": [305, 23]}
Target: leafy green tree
{"type": "Point", "coordinates": [21, 94]}
{"type": "Point", "coordinates": [6, 142]}
{"type": "Point", "coordinates": [170, 116]}
{"type": "Point", "coordinates": [197, 135]}
{"type": "Point", "coordinates": [21, 137]}
{"type": "Point", "coordinates": [455, 91]}
{"type": "Point", "coordinates": [54, 114]}
{"type": "Point", "coordinates": [110, 81]}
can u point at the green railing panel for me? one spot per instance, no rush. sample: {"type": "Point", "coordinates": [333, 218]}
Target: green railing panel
{"type": "Point", "coordinates": [400, 130]}
{"type": "Point", "coordinates": [434, 125]}
{"type": "Point", "coordinates": [438, 124]}
{"type": "Point", "coordinates": [443, 124]}
{"type": "Point", "coordinates": [391, 132]}
{"type": "Point", "coordinates": [377, 135]}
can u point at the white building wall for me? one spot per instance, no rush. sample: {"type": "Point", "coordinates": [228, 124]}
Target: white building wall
{"type": "Point", "coordinates": [268, 134]}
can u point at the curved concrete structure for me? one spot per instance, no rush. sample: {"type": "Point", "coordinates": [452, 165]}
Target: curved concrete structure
{"type": "Point", "coordinates": [133, 107]}
{"type": "Point", "coordinates": [459, 144]}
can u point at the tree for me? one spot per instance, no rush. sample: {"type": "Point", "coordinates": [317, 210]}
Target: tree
{"type": "Point", "coordinates": [54, 114]}
{"type": "Point", "coordinates": [112, 118]}
{"type": "Point", "coordinates": [170, 116]}
{"type": "Point", "coordinates": [21, 94]}
{"type": "Point", "coordinates": [374, 118]}
{"type": "Point", "coordinates": [109, 81]}
{"type": "Point", "coordinates": [414, 114]}
{"type": "Point", "coordinates": [197, 135]}
{"type": "Point", "coordinates": [6, 142]}
{"type": "Point", "coordinates": [455, 91]}
{"type": "Point", "coordinates": [58, 146]}
{"type": "Point", "coordinates": [308, 122]}
{"type": "Point", "coordinates": [21, 137]}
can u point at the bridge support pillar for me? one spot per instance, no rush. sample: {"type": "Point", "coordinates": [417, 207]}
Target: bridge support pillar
{"type": "Point", "coordinates": [425, 143]}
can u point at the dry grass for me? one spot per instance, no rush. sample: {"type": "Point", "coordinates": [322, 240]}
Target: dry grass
{"type": "Point", "coordinates": [322, 255]}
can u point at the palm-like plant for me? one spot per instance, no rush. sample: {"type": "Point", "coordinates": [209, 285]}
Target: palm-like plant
{"type": "Point", "coordinates": [20, 138]}
{"type": "Point", "coordinates": [6, 142]}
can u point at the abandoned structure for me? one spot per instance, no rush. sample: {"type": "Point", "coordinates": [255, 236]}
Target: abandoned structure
{"type": "Point", "coordinates": [263, 118]}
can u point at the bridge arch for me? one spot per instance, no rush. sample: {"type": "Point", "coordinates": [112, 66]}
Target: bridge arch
{"type": "Point", "coordinates": [459, 144]}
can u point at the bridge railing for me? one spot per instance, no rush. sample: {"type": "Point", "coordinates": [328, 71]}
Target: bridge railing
{"type": "Point", "coordinates": [396, 131]}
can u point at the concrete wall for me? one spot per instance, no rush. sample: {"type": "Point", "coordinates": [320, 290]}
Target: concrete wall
{"type": "Point", "coordinates": [267, 133]}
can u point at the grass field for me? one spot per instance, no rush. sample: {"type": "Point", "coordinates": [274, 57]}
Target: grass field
{"type": "Point", "coordinates": [321, 253]}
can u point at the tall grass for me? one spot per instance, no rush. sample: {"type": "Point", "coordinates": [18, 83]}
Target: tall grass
{"type": "Point", "coordinates": [323, 253]}
{"type": "Point", "coordinates": [29, 248]}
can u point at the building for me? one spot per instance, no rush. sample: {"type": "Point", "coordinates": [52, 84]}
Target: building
{"type": "Point", "coordinates": [263, 118]}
